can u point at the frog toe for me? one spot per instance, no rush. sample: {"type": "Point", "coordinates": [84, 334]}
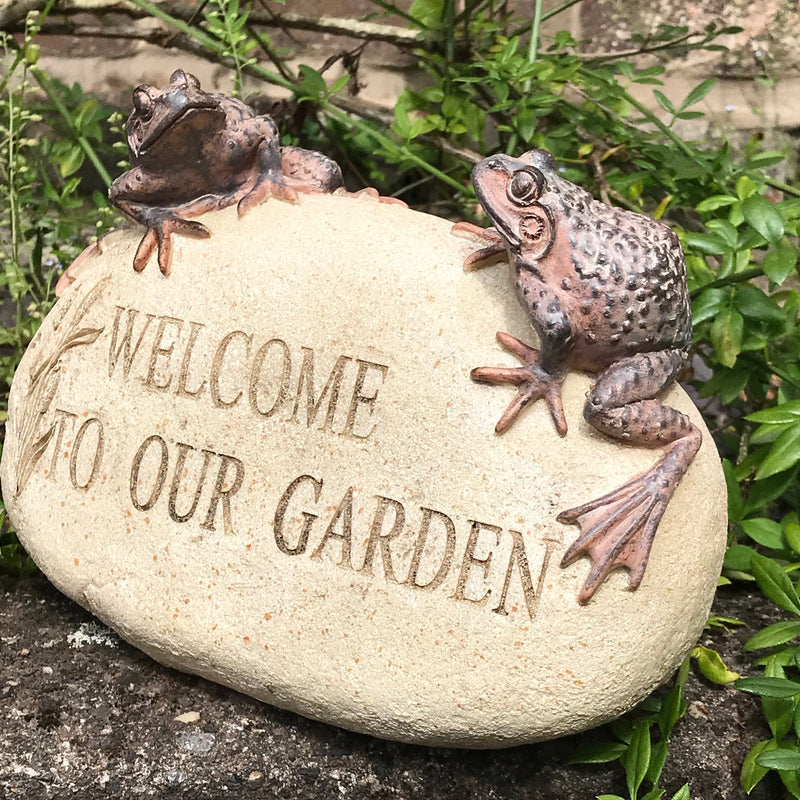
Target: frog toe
{"type": "Point", "coordinates": [145, 249]}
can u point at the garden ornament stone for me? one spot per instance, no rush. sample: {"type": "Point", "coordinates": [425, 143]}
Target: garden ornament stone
{"type": "Point", "coordinates": [271, 468]}
{"type": "Point", "coordinates": [605, 289]}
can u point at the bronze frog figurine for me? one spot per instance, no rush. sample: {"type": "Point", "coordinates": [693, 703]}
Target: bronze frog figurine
{"type": "Point", "coordinates": [194, 151]}
{"type": "Point", "coordinates": [606, 291]}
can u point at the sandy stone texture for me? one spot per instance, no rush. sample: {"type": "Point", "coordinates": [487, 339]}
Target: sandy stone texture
{"type": "Point", "coordinates": [272, 469]}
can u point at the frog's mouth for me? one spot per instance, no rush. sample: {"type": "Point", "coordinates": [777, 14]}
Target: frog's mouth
{"type": "Point", "coordinates": [189, 114]}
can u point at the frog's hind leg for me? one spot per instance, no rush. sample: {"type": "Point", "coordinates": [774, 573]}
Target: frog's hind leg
{"type": "Point", "coordinates": [617, 529]}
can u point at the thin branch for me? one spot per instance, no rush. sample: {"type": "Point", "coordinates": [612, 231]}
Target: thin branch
{"type": "Point", "coordinates": [13, 13]}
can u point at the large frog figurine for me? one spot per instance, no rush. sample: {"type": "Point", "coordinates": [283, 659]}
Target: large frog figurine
{"type": "Point", "coordinates": [194, 151]}
{"type": "Point", "coordinates": [606, 291]}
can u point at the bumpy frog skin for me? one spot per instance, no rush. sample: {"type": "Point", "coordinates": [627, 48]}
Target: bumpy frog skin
{"type": "Point", "coordinates": [194, 151]}
{"type": "Point", "coordinates": [606, 291]}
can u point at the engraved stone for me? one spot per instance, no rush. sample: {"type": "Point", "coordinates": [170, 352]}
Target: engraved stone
{"type": "Point", "coordinates": [272, 469]}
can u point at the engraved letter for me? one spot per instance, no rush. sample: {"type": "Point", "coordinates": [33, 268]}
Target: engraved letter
{"type": "Point", "coordinates": [124, 347]}
{"type": "Point", "coordinates": [470, 558]}
{"type": "Point", "coordinates": [345, 513]}
{"type": "Point", "coordinates": [377, 539]}
{"type": "Point", "coordinates": [97, 457]}
{"type": "Point", "coordinates": [308, 519]}
{"type": "Point", "coordinates": [183, 375]}
{"type": "Point", "coordinates": [216, 367]}
{"type": "Point", "coordinates": [519, 555]}
{"type": "Point", "coordinates": [176, 482]}
{"type": "Point", "coordinates": [255, 375]}
{"type": "Point", "coordinates": [160, 349]}
{"type": "Point", "coordinates": [333, 385]}
{"type": "Point", "coordinates": [221, 493]}
{"type": "Point", "coordinates": [160, 477]}
{"type": "Point", "coordinates": [61, 423]}
{"type": "Point", "coordinates": [368, 400]}
{"type": "Point", "coordinates": [419, 549]}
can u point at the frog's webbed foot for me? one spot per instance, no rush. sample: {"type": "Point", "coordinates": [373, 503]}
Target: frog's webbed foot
{"type": "Point", "coordinates": [371, 191]}
{"type": "Point", "coordinates": [161, 224]}
{"type": "Point", "coordinates": [533, 382]}
{"type": "Point", "coordinates": [617, 529]}
{"type": "Point", "coordinates": [484, 256]}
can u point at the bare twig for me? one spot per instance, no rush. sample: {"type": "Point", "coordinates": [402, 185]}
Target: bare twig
{"type": "Point", "coordinates": [13, 13]}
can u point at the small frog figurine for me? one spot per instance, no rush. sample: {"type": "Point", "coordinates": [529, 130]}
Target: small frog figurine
{"type": "Point", "coordinates": [606, 291]}
{"type": "Point", "coordinates": [194, 151]}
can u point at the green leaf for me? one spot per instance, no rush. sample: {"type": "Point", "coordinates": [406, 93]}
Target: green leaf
{"type": "Point", "coordinates": [716, 201]}
{"type": "Point", "coordinates": [745, 187]}
{"type": "Point", "coordinates": [792, 533]}
{"type": "Point", "coordinates": [654, 794]}
{"type": "Point", "coordinates": [779, 262]}
{"type": "Point", "coordinates": [735, 498]}
{"type": "Point", "coordinates": [597, 753]}
{"type": "Point", "coordinates": [708, 304]}
{"type": "Point", "coordinates": [726, 336]}
{"type": "Point", "coordinates": [791, 780]}
{"type": "Point", "coordinates": [711, 665]}
{"type": "Point", "coordinates": [769, 687]}
{"type": "Point", "coordinates": [70, 161]}
{"type": "Point", "coordinates": [428, 12]}
{"type": "Point", "coordinates": [313, 84]}
{"type": "Point", "coordinates": [785, 412]}
{"type": "Point", "coordinates": [768, 489]}
{"type": "Point", "coordinates": [781, 758]}
{"type": "Point", "coordinates": [784, 454]}
{"type": "Point", "coordinates": [637, 758]}
{"type": "Point", "coordinates": [658, 757]}
{"type": "Point", "coordinates": [739, 557]}
{"type": "Point", "coordinates": [773, 635]}
{"type": "Point", "coordinates": [765, 531]}
{"type": "Point", "coordinates": [706, 243]}
{"type": "Point", "coordinates": [775, 583]}
{"type": "Point", "coordinates": [664, 101]}
{"type": "Point", "coordinates": [752, 772]}
{"type": "Point", "coordinates": [698, 93]}
{"type": "Point", "coordinates": [682, 793]}
{"type": "Point", "coordinates": [755, 304]}
{"type": "Point", "coordinates": [763, 216]}
{"type": "Point", "coordinates": [796, 721]}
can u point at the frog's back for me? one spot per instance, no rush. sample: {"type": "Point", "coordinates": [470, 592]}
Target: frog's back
{"type": "Point", "coordinates": [633, 267]}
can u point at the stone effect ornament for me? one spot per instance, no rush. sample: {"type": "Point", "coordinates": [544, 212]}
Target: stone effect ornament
{"type": "Point", "coordinates": [277, 473]}
{"type": "Point", "coordinates": [285, 481]}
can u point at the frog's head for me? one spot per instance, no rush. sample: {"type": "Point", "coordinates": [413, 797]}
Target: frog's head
{"type": "Point", "coordinates": [509, 189]}
{"type": "Point", "coordinates": [158, 112]}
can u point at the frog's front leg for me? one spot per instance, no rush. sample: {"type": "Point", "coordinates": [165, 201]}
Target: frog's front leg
{"type": "Point", "coordinates": [542, 373]}
{"type": "Point", "coordinates": [495, 251]}
{"type": "Point", "coordinates": [617, 529]}
{"type": "Point", "coordinates": [161, 223]}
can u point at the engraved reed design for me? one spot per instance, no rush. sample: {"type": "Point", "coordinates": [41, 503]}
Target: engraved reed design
{"type": "Point", "coordinates": [34, 433]}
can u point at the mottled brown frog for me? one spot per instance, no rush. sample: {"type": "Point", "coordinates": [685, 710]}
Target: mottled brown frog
{"type": "Point", "coordinates": [606, 291]}
{"type": "Point", "coordinates": [194, 151]}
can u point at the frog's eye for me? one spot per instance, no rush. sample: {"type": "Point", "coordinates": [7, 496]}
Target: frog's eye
{"type": "Point", "coordinates": [143, 104]}
{"type": "Point", "coordinates": [526, 186]}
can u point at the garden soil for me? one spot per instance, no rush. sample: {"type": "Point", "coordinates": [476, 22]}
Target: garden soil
{"type": "Point", "coordinates": [84, 715]}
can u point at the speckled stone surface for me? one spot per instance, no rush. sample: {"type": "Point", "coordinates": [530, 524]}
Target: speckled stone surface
{"type": "Point", "coordinates": [271, 469]}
